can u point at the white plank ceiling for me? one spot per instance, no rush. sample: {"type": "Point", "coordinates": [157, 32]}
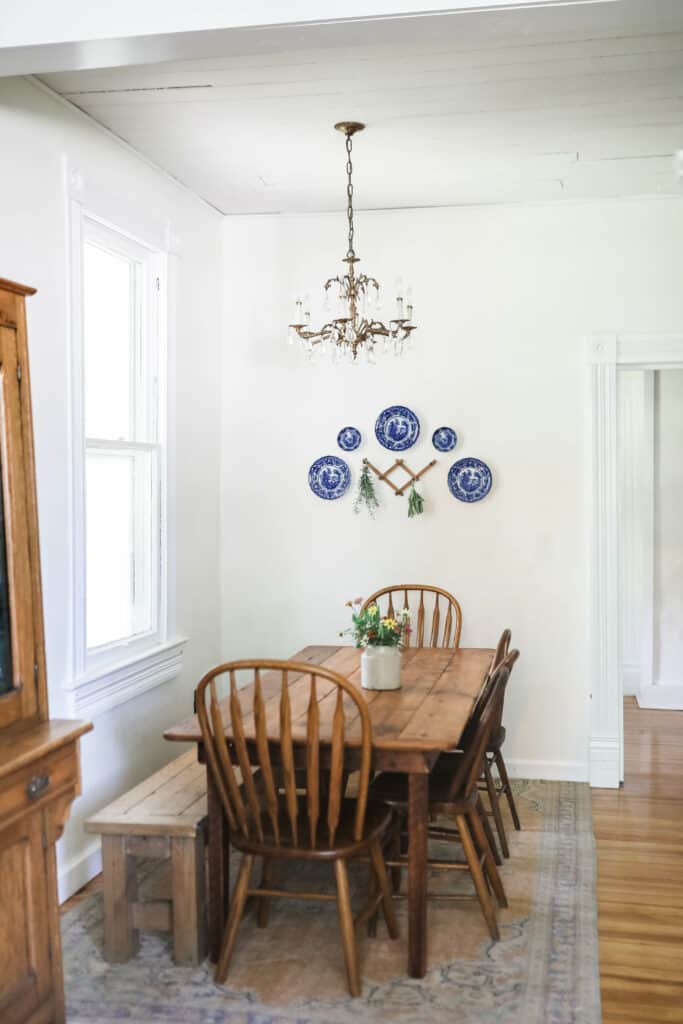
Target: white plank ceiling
{"type": "Point", "coordinates": [525, 105]}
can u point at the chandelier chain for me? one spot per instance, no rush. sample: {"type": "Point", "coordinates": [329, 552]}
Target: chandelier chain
{"type": "Point", "coordinates": [349, 194]}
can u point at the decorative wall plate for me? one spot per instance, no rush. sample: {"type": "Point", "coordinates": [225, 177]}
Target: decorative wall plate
{"type": "Point", "coordinates": [348, 439]}
{"type": "Point", "coordinates": [329, 477]}
{"type": "Point", "coordinates": [444, 439]}
{"type": "Point", "coordinates": [397, 428]}
{"type": "Point", "coordinates": [469, 480]}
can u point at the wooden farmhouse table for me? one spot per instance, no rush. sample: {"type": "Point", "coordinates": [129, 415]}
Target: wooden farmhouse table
{"type": "Point", "coordinates": [411, 727]}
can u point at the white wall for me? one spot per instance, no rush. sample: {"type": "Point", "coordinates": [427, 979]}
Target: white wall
{"type": "Point", "coordinates": [668, 529]}
{"type": "Point", "coordinates": [40, 137]}
{"type": "Point", "coordinates": [503, 297]}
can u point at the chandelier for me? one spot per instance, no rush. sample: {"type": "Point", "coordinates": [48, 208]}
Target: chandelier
{"type": "Point", "coordinates": [354, 299]}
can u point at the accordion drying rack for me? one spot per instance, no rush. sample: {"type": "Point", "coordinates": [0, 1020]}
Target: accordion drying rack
{"type": "Point", "coordinates": [399, 464]}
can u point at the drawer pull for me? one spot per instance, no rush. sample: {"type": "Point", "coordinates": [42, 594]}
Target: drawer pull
{"type": "Point", "coordinates": [37, 786]}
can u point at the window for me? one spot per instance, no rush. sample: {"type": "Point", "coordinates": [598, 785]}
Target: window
{"type": "Point", "coordinates": [120, 465]}
{"type": "Point", "coordinates": [122, 445]}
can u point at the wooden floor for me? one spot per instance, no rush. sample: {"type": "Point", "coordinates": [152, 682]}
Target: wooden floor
{"type": "Point", "coordinates": [639, 831]}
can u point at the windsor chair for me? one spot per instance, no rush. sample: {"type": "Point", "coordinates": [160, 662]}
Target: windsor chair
{"type": "Point", "coordinates": [313, 821]}
{"type": "Point", "coordinates": [427, 614]}
{"type": "Point", "coordinates": [457, 796]}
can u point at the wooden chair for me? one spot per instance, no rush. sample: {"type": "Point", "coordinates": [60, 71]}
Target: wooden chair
{"type": "Point", "coordinates": [275, 823]}
{"type": "Point", "coordinates": [457, 796]}
{"type": "Point", "coordinates": [428, 613]}
{"type": "Point", "coordinates": [494, 756]}
{"type": "Point", "coordinates": [447, 762]}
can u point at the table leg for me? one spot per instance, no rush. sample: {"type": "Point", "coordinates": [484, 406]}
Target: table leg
{"type": "Point", "coordinates": [219, 868]}
{"type": "Point", "coordinates": [418, 821]}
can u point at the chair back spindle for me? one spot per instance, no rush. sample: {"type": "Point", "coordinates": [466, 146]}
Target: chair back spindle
{"type": "Point", "coordinates": [425, 603]}
{"type": "Point", "coordinates": [295, 707]}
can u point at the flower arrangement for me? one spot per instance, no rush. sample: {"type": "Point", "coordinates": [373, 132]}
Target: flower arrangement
{"type": "Point", "coordinates": [371, 629]}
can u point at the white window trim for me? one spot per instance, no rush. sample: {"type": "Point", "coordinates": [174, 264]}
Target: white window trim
{"type": "Point", "coordinates": [130, 668]}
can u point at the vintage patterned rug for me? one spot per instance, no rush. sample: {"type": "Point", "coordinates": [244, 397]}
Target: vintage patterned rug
{"type": "Point", "coordinates": [543, 971]}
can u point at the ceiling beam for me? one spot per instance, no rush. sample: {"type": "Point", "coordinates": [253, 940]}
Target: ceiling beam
{"type": "Point", "coordinates": [38, 37]}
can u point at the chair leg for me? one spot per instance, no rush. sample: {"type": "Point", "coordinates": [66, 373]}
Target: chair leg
{"type": "Point", "coordinates": [348, 932]}
{"type": "Point", "coordinates": [489, 832]}
{"type": "Point", "coordinates": [478, 878]}
{"type": "Point", "coordinates": [383, 882]}
{"type": "Point", "coordinates": [503, 772]}
{"type": "Point", "coordinates": [263, 910]}
{"type": "Point", "coordinates": [239, 898]}
{"type": "Point", "coordinates": [495, 807]}
{"type": "Point", "coordinates": [395, 850]}
{"type": "Point", "coordinates": [492, 874]}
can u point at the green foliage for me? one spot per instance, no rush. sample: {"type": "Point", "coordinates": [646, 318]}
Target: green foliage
{"type": "Point", "coordinates": [370, 629]}
{"type": "Point", "coordinates": [366, 493]}
{"type": "Point", "coordinates": [416, 503]}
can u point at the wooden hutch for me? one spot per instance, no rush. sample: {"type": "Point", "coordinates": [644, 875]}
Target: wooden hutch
{"type": "Point", "coordinates": [39, 766]}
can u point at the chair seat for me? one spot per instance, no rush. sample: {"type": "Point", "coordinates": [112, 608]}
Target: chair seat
{"type": "Point", "coordinates": [377, 820]}
{"type": "Point", "coordinates": [392, 789]}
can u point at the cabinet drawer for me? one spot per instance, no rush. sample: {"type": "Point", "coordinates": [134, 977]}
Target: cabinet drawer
{"type": "Point", "coordinates": [39, 782]}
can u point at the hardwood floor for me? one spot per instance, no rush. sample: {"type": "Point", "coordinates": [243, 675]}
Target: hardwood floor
{"type": "Point", "coordinates": [639, 832]}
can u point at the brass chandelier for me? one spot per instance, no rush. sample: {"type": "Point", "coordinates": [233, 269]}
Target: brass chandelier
{"type": "Point", "coordinates": [354, 327]}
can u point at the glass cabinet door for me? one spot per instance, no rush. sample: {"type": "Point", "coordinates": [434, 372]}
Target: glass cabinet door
{"type": "Point", "coordinates": [18, 657]}
{"type": "Point", "coordinates": [6, 675]}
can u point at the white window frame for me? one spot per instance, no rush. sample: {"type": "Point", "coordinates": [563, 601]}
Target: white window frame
{"type": "Point", "coordinates": [105, 677]}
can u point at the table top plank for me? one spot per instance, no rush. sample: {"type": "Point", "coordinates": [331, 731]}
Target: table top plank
{"type": "Point", "coordinates": [428, 714]}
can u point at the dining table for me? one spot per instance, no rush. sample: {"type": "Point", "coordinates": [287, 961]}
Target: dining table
{"type": "Point", "coordinates": [411, 726]}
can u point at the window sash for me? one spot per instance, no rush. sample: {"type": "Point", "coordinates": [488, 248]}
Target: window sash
{"type": "Point", "coordinates": [146, 436]}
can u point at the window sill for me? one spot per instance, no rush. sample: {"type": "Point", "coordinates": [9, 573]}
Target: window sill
{"type": "Point", "coordinates": [109, 687]}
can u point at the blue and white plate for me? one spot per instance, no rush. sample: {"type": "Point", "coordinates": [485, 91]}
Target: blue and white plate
{"type": "Point", "coordinates": [444, 439]}
{"type": "Point", "coordinates": [348, 439]}
{"type": "Point", "coordinates": [329, 477]}
{"type": "Point", "coordinates": [469, 479]}
{"type": "Point", "coordinates": [397, 428]}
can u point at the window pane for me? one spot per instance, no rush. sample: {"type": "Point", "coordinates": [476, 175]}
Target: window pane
{"type": "Point", "coordinates": [119, 545]}
{"type": "Point", "coordinates": [109, 343]}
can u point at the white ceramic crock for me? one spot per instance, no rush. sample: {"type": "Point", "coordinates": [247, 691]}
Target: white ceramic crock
{"type": "Point", "coordinates": [380, 668]}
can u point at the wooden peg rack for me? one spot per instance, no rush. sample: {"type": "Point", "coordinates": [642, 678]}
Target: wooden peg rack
{"type": "Point", "coordinates": [399, 464]}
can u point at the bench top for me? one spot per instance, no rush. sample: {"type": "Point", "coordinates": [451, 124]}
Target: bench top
{"type": "Point", "coordinates": [172, 802]}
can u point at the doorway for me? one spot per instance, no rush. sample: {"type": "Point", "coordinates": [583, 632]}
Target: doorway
{"type": "Point", "coordinates": [608, 357]}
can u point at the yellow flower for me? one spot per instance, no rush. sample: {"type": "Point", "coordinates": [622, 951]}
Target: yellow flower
{"type": "Point", "coordinates": [372, 609]}
{"type": "Point", "coordinates": [390, 623]}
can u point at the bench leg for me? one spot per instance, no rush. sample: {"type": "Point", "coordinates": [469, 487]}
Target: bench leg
{"type": "Point", "coordinates": [120, 892]}
{"type": "Point", "coordinates": [189, 903]}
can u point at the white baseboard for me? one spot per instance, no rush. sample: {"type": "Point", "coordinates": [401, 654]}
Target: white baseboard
{"type": "Point", "coordinates": [662, 697]}
{"type": "Point", "coordinates": [77, 871]}
{"type": "Point", "coordinates": [605, 762]}
{"type": "Point", "coordinates": [557, 771]}
{"type": "Point", "coordinates": [630, 675]}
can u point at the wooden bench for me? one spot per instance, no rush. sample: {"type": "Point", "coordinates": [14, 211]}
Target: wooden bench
{"type": "Point", "coordinates": [162, 818]}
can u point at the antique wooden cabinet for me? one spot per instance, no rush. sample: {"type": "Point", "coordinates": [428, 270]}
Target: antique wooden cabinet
{"type": "Point", "coordinates": [39, 768]}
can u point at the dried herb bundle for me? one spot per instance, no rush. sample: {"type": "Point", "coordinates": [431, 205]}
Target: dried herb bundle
{"type": "Point", "coordinates": [366, 493]}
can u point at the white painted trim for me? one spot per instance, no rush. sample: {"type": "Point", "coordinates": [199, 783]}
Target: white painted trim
{"type": "Point", "coordinates": [560, 771]}
{"type": "Point", "coordinates": [604, 354]}
{"type": "Point", "coordinates": [636, 456]}
{"type": "Point", "coordinates": [664, 696]}
{"type": "Point", "coordinates": [79, 870]}
{"type": "Point", "coordinates": [606, 761]}
{"type": "Point", "coordinates": [88, 668]}
{"type": "Point", "coordinates": [92, 694]}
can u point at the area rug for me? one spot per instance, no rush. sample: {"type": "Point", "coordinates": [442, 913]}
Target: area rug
{"type": "Point", "coordinates": [544, 969]}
